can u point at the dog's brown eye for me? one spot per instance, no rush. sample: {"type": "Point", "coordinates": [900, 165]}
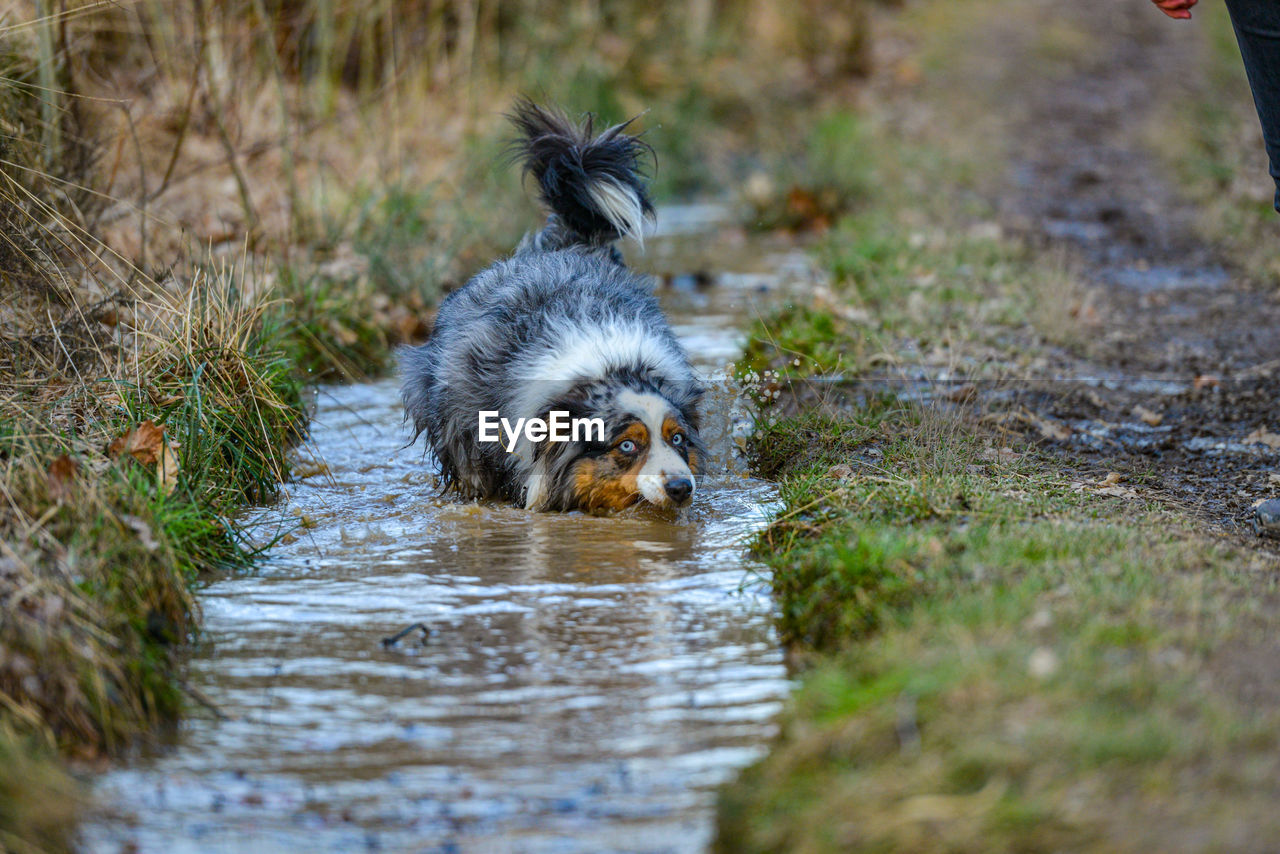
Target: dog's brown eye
{"type": "Point", "coordinates": [627, 447]}
{"type": "Point", "coordinates": [677, 438]}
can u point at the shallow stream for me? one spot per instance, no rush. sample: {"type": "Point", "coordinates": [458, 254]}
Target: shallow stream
{"type": "Point", "coordinates": [578, 684]}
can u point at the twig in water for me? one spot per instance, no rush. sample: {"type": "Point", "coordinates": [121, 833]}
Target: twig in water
{"type": "Point", "coordinates": [203, 699]}
{"type": "Point", "coordinates": [387, 643]}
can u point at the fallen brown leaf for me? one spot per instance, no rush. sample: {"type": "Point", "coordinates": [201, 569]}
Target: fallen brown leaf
{"type": "Point", "coordinates": [146, 444]}
{"type": "Point", "coordinates": [167, 468]}
{"type": "Point", "coordinates": [1148, 417]}
{"type": "Point", "coordinates": [1263, 436]}
{"type": "Point", "coordinates": [1050, 429]}
{"type": "Point", "coordinates": [143, 530]}
{"type": "Point", "coordinates": [1117, 492]}
{"type": "Point", "coordinates": [1109, 485]}
{"type": "Point", "coordinates": [1204, 381]}
{"type": "Point", "coordinates": [143, 443]}
{"type": "Point", "coordinates": [842, 471]}
{"type": "Point", "coordinates": [62, 474]}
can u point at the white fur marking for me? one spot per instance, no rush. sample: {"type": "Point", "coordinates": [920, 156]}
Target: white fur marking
{"type": "Point", "coordinates": [621, 206]}
{"type": "Point", "coordinates": [586, 352]}
{"type": "Point", "coordinates": [663, 462]}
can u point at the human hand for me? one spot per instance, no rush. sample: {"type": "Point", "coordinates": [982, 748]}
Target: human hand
{"type": "Point", "coordinates": [1175, 8]}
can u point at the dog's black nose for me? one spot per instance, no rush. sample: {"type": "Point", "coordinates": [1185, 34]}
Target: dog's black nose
{"type": "Point", "coordinates": [679, 489]}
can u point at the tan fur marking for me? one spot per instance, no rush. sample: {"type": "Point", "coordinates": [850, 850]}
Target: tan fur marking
{"type": "Point", "coordinates": [604, 485]}
{"type": "Point", "coordinates": [670, 427]}
{"type": "Point", "coordinates": [636, 432]}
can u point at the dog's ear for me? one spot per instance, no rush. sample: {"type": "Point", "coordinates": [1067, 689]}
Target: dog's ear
{"type": "Point", "coordinates": [576, 406]}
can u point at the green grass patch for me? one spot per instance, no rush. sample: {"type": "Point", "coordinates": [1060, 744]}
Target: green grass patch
{"type": "Point", "coordinates": [994, 656]}
{"type": "Point", "coordinates": [999, 662]}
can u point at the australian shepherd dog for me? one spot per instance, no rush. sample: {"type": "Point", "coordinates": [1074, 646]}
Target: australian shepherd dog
{"type": "Point", "coordinates": [562, 327]}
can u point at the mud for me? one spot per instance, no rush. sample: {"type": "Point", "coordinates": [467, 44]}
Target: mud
{"type": "Point", "coordinates": [1188, 346]}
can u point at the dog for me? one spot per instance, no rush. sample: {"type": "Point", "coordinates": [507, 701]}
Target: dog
{"type": "Point", "coordinates": [562, 329]}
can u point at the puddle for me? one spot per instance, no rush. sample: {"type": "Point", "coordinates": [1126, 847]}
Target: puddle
{"type": "Point", "coordinates": [582, 684]}
{"type": "Point", "coordinates": [1151, 278]}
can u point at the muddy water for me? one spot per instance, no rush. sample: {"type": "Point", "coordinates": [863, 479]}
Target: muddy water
{"type": "Point", "coordinates": [577, 684]}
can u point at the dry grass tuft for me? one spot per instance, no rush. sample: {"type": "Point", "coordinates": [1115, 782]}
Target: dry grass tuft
{"type": "Point", "coordinates": [205, 205]}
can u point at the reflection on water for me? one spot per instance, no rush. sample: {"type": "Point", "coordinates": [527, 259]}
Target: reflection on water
{"type": "Point", "coordinates": [583, 684]}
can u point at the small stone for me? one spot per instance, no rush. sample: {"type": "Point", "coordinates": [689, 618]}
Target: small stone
{"type": "Point", "coordinates": [1266, 518]}
{"type": "Point", "coordinates": [1043, 663]}
{"type": "Point", "coordinates": [1041, 619]}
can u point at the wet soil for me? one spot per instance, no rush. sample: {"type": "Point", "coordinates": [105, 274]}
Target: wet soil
{"type": "Point", "coordinates": [1180, 364]}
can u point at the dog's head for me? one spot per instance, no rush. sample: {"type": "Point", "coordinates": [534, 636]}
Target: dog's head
{"type": "Point", "coordinates": [649, 451]}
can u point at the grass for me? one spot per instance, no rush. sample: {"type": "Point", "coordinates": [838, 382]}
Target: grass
{"type": "Point", "coordinates": [997, 651]}
{"type": "Point", "coordinates": [999, 657]}
{"type": "Point", "coordinates": [106, 542]}
{"type": "Point", "coordinates": [921, 274]}
{"type": "Point", "coordinates": [203, 213]}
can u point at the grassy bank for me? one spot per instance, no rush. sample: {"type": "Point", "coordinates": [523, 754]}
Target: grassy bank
{"type": "Point", "coordinates": [208, 207]}
{"type": "Point", "coordinates": [999, 657]}
{"type": "Point", "coordinates": [1000, 649]}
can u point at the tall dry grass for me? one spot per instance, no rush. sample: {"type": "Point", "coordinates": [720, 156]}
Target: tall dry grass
{"type": "Point", "coordinates": [205, 204]}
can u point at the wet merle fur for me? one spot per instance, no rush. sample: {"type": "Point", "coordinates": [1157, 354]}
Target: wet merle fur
{"type": "Point", "coordinates": [566, 158]}
{"type": "Point", "coordinates": [560, 325]}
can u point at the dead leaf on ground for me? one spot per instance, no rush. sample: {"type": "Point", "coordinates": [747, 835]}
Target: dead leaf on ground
{"type": "Point", "coordinates": [1050, 429]}
{"type": "Point", "coordinates": [1047, 427]}
{"type": "Point", "coordinates": [1109, 485]}
{"type": "Point", "coordinates": [142, 529]}
{"type": "Point", "coordinates": [808, 209]}
{"type": "Point", "coordinates": [62, 475]}
{"type": "Point", "coordinates": [1147, 416]}
{"type": "Point", "coordinates": [1204, 381]}
{"type": "Point", "coordinates": [842, 471]}
{"type": "Point", "coordinates": [1117, 491]}
{"type": "Point", "coordinates": [167, 468]}
{"type": "Point", "coordinates": [143, 443]}
{"type": "Point", "coordinates": [1263, 436]}
{"type": "Point", "coordinates": [344, 335]}
{"type": "Point", "coordinates": [163, 400]}
{"type": "Point", "coordinates": [409, 326]}
{"type": "Point", "coordinates": [146, 444]}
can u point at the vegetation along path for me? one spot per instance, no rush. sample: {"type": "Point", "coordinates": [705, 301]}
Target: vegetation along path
{"type": "Point", "coordinates": [1018, 564]}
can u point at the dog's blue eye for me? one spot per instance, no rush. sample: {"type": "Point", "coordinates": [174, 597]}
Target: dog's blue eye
{"type": "Point", "coordinates": [627, 447]}
{"type": "Point", "coordinates": [677, 438]}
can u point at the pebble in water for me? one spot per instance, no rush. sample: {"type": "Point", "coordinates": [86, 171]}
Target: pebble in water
{"type": "Point", "coordinates": [1266, 518]}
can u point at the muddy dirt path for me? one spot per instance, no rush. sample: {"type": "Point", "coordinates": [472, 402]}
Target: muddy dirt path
{"type": "Point", "coordinates": [1172, 327]}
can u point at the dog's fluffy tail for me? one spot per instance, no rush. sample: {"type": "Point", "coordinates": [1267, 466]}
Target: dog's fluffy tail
{"type": "Point", "coordinates": [593, 183]}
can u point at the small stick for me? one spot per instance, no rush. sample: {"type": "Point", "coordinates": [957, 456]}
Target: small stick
{"type": "Point", "coordinates": [387, 643]}
{"type": "Point", "coordinates": [200, 697]}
